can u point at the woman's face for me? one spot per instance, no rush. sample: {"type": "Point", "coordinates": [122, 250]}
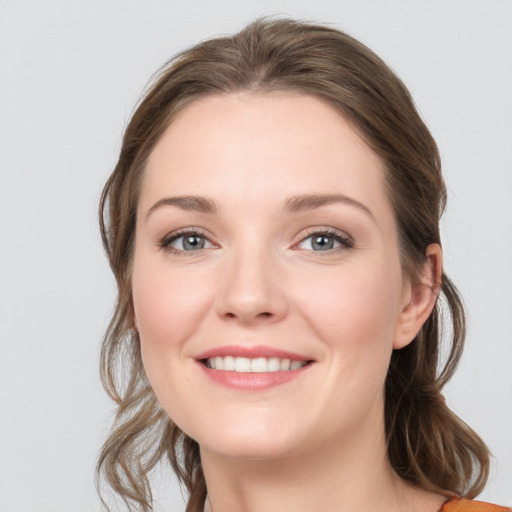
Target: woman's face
{"type": "Point", "coordinates": [266, 246]}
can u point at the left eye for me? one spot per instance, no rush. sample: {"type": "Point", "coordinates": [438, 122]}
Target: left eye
{"type": "Point", "coordinates": [324, 242]}
{"type": "Point", "coordinates": [188, 242]}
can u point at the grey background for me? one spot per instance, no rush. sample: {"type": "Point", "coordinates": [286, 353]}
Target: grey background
{"type": "Point", "coordinates": [70, 74]}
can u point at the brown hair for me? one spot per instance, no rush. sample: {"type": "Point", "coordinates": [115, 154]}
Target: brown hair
{"type": "Point", "coordinates": [428, 445]}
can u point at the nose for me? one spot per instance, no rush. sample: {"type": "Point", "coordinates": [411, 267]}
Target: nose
{"type": "Point", "coordinates": [251, 290]}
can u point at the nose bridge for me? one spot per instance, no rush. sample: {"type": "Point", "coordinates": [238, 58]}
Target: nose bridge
{"type": "Point", "coordinates": [250, 289]}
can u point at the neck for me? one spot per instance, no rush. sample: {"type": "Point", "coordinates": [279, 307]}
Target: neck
{"type": "Point", "coordinates": [341, 477]}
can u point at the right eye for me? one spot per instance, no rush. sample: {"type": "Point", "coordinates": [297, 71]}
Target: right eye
{"type": "Point", "coordinates": [186, 241]}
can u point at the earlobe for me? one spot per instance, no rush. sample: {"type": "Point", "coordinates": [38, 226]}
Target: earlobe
{"type": "Point", "coordinates": [421, 298]}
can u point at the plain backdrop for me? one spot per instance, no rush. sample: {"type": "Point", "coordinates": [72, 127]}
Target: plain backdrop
{"type": "Point", "coordinates": [70, 75]}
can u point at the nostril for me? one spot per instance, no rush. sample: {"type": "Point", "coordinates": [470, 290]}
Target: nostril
{"type": "Point", "coordinates": [263, 314]}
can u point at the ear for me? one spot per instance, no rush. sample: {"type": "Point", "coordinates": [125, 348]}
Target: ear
{"type": "Point", "coordinates": [419, 297]}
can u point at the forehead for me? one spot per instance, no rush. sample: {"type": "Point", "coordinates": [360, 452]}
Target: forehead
{"type": "Point", "coordinates": [251, 147]}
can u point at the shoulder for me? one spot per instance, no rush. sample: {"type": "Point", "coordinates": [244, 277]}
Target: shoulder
{"type": "Point", "coordinates": [463, 505]}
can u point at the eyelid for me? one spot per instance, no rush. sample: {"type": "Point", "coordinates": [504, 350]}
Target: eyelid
{"type": "Point", "coordinates": [346, 241]}
{"type": "Point", "coordinates": [166, 241]}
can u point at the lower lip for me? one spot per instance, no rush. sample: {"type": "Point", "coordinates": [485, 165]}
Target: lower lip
{"type": "Point", "coordinates": [249, 381]}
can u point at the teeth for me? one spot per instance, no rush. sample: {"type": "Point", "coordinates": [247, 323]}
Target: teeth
{"type": "Point", "coordinates": [273, 364]}
{"type": "Point", "coordinates": [256, 365]}
{"type": "Point", "coordinates": [242, 364]}
{"type": "Point", "coordinates": [295, 365]}
{"type": "Point", "coordinates": [284, 364]}
{"type": "Point", "coordinates": [228, 363]}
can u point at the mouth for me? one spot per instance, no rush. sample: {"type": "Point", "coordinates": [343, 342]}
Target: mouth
{"type": "Point", "coordinates": [253, 365]}
{"type": "Point", "coordinates": [252, 368]}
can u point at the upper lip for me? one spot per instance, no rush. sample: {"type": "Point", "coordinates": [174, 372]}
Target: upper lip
{"type": "Point", "coordinates": [251, 352]}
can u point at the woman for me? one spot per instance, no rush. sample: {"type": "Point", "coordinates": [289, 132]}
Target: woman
{"type": "Point", "coordinates": [273, 226]}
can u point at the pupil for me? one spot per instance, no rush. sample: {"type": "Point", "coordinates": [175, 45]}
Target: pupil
{"type": "Point", "coordinates": [323, 243]}
{"type": "Point", "coordinates": [193, 242]}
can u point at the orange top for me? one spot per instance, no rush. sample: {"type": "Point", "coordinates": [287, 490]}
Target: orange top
{"type": "Point", "coordinates": [463, 505]}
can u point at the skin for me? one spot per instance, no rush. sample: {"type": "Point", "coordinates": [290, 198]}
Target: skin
{"type": "Point", "coordinates": [317, 442]}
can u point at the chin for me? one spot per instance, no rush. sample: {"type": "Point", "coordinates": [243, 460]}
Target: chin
{"type": "Point", "coordinates": [253, 441]}
{"type": "Point", "coordinates": [248, 449]}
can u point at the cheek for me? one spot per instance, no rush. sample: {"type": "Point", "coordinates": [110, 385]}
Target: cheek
{"type": "Point", "coordinates": [355, 298]}
{"type": "Point", "coordinates": [167, 304]}
{"type": "Point", "coordinates": [354, 311]}
{"type": "Point", "coordinates": [168, 307]}
{"type": "Point", "coordinates": [354, 314]}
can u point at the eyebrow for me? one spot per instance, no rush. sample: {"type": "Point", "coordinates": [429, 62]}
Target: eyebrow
{"type": "Point", "coordinates": [189, 203]}
{"type": "Point", "coordinates": [294, 204]}
{"type": "Point", "coordinates": [311, 201]}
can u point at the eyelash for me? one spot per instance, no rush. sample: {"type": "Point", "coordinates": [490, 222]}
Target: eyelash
{"type": "Point", "coordinates": [343, 239]}
{"type": "Point", "coordinates": [166, 242]}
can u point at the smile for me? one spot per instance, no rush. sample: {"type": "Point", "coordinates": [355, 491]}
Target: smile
{"type": "Point", "coordinates": [252, 368]}
{"type": "Point", "coordinates": [253, 365]}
